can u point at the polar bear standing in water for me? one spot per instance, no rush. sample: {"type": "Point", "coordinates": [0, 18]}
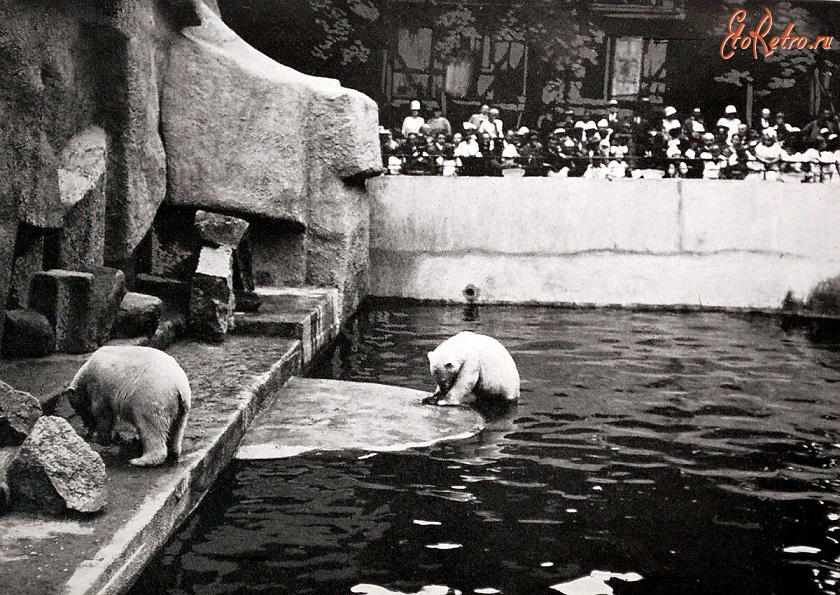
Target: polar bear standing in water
{"type": "Point", "coordinates": [470, 367]}
{"type": "Point", "coordinates": [139, 385]}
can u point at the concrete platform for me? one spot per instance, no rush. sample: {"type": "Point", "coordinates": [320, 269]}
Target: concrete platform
{"type": "Point", "coordinates": [105, 552]}
{"type": "Point", "coordinates": [309, 314]}
{"type": "Point", "coordinates": [321, 415]}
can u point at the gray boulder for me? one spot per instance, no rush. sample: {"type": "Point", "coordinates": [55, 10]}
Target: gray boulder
{"type": "Point", "coordinates": [212, 300]}
{"type": "Point", "coordinates": [55, 471]}
{"type": "Point", "coordinates": [27, 333]}
{"type": "Point", "coordinates": [220, 230]}
{"type": "Point", "coordinates": [80, 305]}
{"type": "Point", "coordinates": [138, 316]}
{"type": "Point", "coordinates": [18, 413]}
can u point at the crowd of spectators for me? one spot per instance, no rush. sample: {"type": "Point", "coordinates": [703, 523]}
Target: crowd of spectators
{"type": "Point", "coordinates": [650, 141]}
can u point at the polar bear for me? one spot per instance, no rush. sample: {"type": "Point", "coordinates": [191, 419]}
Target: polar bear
{"type": "Point", "coordinates": [470, 367]}
{"type": "Point", "coordinates": [139, 385]}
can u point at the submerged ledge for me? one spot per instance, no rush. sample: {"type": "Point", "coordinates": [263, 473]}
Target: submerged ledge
{"type": "Point", "coordinates": [327, 415]}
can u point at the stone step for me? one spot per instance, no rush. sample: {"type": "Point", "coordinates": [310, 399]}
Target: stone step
{"type": "Point", "coordinates": [306, 314]}
{"type": "Point", "coordinates": [327, 415]}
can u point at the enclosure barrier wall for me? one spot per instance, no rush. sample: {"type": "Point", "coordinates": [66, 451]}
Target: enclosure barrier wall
{"type": "Point", "coordinates": [710, 243]}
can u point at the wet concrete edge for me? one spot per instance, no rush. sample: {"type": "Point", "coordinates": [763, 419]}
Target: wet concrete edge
{"type": "Point", "coordinates": [118, 564]}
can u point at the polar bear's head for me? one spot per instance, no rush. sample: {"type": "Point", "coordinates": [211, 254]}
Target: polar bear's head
{"type": "Point", "coordinates": [444, 369]}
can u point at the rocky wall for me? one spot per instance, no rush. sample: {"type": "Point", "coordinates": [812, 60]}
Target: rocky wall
{"type": "Point", "coordinates": [111, 107]}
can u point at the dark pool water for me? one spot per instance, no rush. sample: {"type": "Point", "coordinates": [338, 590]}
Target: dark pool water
{"type": "Point", "coordinates": [696, 451]}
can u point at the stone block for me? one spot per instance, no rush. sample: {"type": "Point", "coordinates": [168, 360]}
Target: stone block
{"type": "Point", "coordinates": [220, 230]}
{"type": "Point", "coordinates": [27, 333]}
{"type": "Point", "coordinates": [138, 316]}
{"type": "Point", "coordinates": [244, 288]}
{"type": "Point", "coordinates": [80, 305]}
{"type": "Point", "coordinates": [82, 183]}
{"type": "Point", "coordinates": [64, 297]}
{"type": "Point", "coordinates": [108, 291]}
{"type": "Point", "coordinates": [173, 292]}
{"type": "Point", "coordinates": [57, 472]}
{"type": "Point", "coordinates": [18, 413]}
{"type": "Point", "coordinates": [212, 300]}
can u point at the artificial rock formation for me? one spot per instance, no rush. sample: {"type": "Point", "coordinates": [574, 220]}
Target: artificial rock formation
{"type": "Point", "coordinates": [81, 182]}
{"type": "Point", "coordinates": [80, 305]}
{"type": "Point", "coordinates": [27, 333]}
{"type": "Point", "coordinates": [112, 108]}
{"type": "Point", "coordinates": [18, 413]}
{"type": "Point", "coordinates": [211, 298]}
{"type": "Point", "coordinates": [138, 316]}
{"type": "Point", "coordinates": [294, 141]}
{"type": "Point", "coordinates": [55, 471]}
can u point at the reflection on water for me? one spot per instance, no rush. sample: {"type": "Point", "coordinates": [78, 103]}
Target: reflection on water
{"type": "Point", "coordinates": [696, 451]}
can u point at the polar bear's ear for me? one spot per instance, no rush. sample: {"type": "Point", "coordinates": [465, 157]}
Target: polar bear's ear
{"type": "Point", "coordinates": [429, 355]}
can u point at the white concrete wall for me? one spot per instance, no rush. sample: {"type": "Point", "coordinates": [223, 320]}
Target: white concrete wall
{"type": "Point", "coordinates": [548, 240]}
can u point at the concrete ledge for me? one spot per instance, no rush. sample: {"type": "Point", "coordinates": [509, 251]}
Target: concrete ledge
{"type": "Point", "coordinates": [309, 315]}
{"type": "Point", "coordinates": [321, 415]}
{"type": "Point", "coordinates": [106, 552]}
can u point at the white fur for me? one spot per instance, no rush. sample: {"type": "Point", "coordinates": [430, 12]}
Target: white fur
{"type": "Point", "coordinates": [139, 385]}
{"type": "Point", "coordinates": [471, 366]}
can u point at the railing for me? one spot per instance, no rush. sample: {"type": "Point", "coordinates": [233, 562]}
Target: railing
{"type": "Point", "coordinates": [816, 171]}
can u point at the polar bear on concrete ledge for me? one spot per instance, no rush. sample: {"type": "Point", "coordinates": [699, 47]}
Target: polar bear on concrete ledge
{"type": "Point", "coordinates": [139, 385]}
{"type": "Point", "coordinates": [472, 367]}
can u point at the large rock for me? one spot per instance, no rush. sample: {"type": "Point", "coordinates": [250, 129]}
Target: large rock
{"type": "Point", "coordinates": [80, 305]}
{"type": "Point", "coordinates": [245, 134]}
{"type": "Point", "coordinates": [81, 180]}
{"type": "Point", "coordinates": [138, 174]}
{"type": "Point", "coordinates": [64, 297]}
{"type": "Point", "coordinates": [228, 108]}
{"type": "Point", "coordinates": [212, 299]}
{"type": "Point", "coordinates": [27, 333]}
{"type": "Point", "coordinates": [138, 316]}
{"type": "Point", "coordinates": [55, 471]}
{"type": "Point", "coordinates": [52, 73]}
{"type": "Point", "coordinates": [18, 413]}
{"type": "Point", "coordinates": [220, 230]}
{"type": "Point", "coordinates": [223, 230]}
{"type": "Point", "coordinates": [173, 292]}
{"type": "Point", "coordinates": [106, 297]}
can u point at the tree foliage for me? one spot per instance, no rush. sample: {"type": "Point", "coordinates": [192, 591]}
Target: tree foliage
{"type": "Point", "coordinates": [567, 37]}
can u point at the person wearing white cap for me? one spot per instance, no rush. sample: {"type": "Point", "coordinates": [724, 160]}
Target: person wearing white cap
{"type": "Point", "coordinates": [730, 121]}
{"type": "Point", "coordinates": [670, 121]}
{"type": "Point", "coordinates": [413, 122]}
{"type": "Point", "coordinates": [604, 130]}
{"type": "Point", "coordinates": [612, 112]}
{"type": "Point", "coordinates": [766, 120]}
